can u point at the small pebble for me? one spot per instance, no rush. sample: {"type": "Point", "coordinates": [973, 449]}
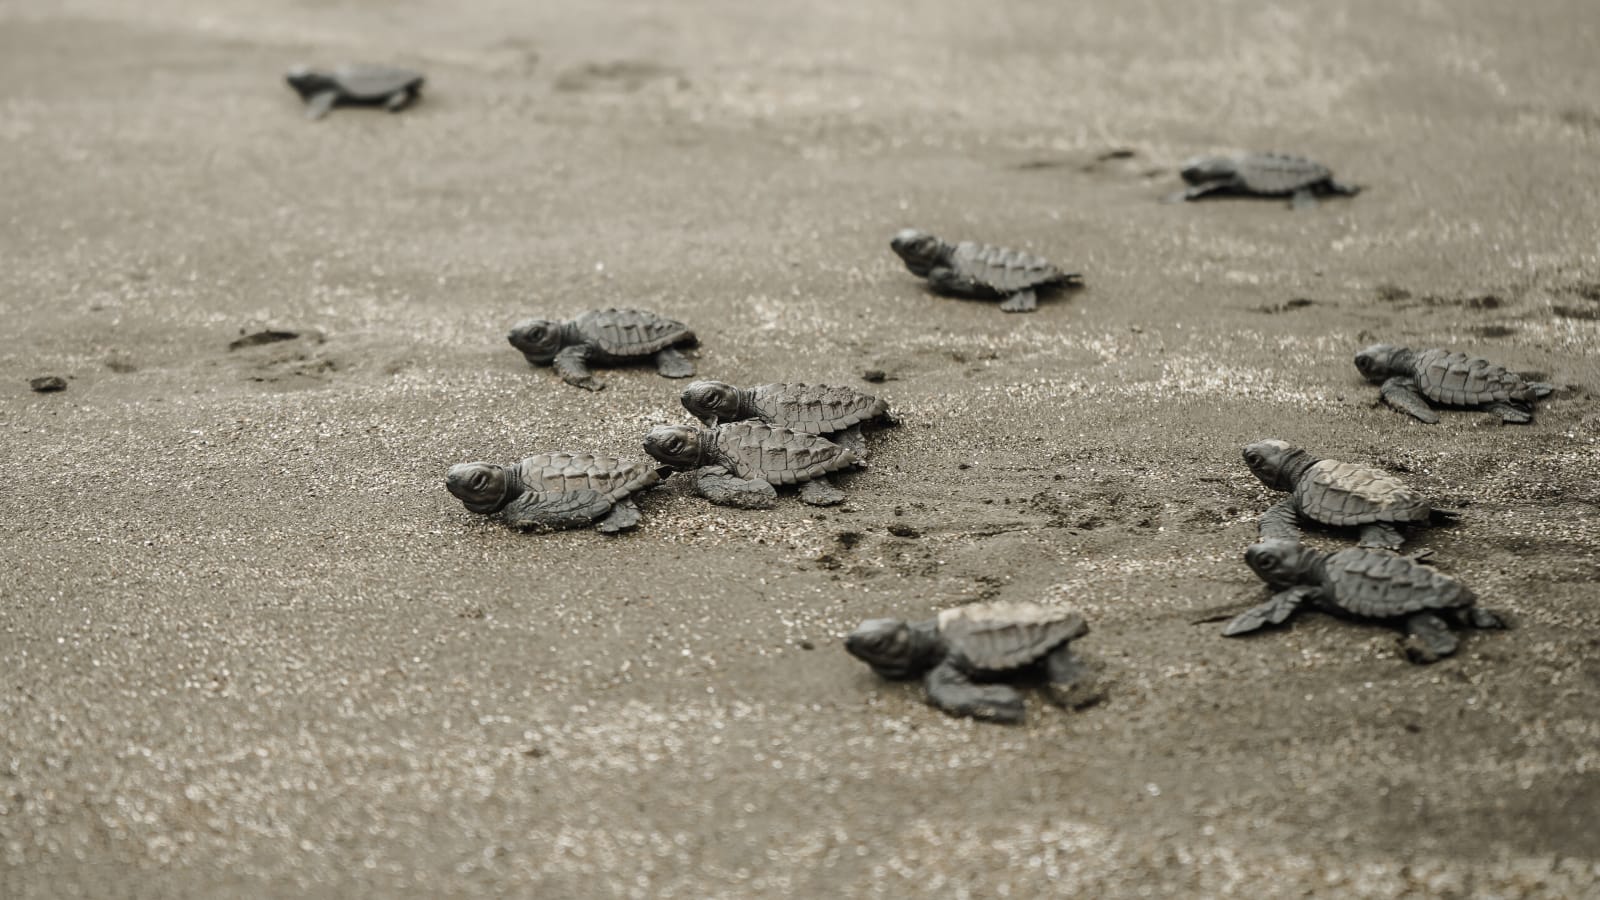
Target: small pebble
{"type": "Point", "coordinates": [46, 384]}
{"type": "Point", "coordinates": [875, 376]}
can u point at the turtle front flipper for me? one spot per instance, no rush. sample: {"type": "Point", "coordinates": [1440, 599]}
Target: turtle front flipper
{"type": "Point", "coordinates": [1281, 521]}
{"type": "Point", "coordinates": [723, 488]}
{"type": "Point", "coordinates": [572, 364]}
{"type": "Point", "coordinates": [1339, 187]}
{"type": "Point", "coordinates": [951, 690]}
{"type": "Point", "coordinates": [1381, 536]}
{"type": "Point", "coordinates": [672, 364]}
{"type": "Point", "coordinates": [820, 492]}
{"type": "Point", "coordinates": [1273, 612]}
{"type": "Point", "coordinates": [1020, 302]}
{"type": "Point", "coordinates": [1401, 393]}
{"type": "Point", "coordinates": [321, 103]}
{"type": "Point", "coordinates": [1478, 617]}
{"type": "Point", "coordinates": [622, 517]}
{"type": "Point", "coordinates": [1428, 639]}
{"type": "Point", "coordinates": [1304, 198]}
{"type": "Point", "coordinates": [1509, 414]}
{"type": "Point", "coordinates": [561, 509]}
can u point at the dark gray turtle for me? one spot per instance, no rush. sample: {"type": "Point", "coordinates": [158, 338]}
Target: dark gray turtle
{"type": "Point", "coordinates": [1410, 378]}
{"type": "Point", "coordinates": [739, 464]}
{"type": "Point", "coordinates": [835, 412]}
{"type": "Point", "coordinates": [959, 654]}
{"type": "Point", "coordinates": [365, 85]}
{"type": "Point", "coordinates": [1261, 175]}
{"type": "Point", "coordinates": [979, 270]}
{"type": "Point", "coordinates": [1365, 584]}
{"type": "Point", "coordinates": [1341, 494]}
{"type": "Point", "coordinates": [556, 490]}
{"type": "Point", "coordinates": [605, 337]}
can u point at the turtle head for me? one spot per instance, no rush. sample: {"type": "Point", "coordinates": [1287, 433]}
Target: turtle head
{"type": "Point", "coordinates": [890, 647]}
{"type": "Point", "coordinates": [712, 401]}
{"type": "Point", "coordinates": [483, 487]}
{"type": "Point", "coordinates": [1380, 361]}
{"type": "Point", "coordinates": [1270, 461]}
{"type": "Point", "coordinates": [1201, 169]}
{"type": "Point", "coordinates": [307, 81]}
{"type": "Point", "coordinates": [919, 250]}
{"type": "Point", "coordinates": [677, 446]}
{"type": "Point", "coordinates": [538, 339]}
{"type": "Point", "coordinates": [1277, 562]}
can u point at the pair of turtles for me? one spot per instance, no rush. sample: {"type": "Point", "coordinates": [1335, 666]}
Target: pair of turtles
{"type": "Point", "coordinates": [1367, 581]}
{"type": "Point", "coordinates": [737, 463]}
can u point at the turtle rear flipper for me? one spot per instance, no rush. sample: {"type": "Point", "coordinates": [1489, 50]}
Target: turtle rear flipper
{"type": "Point", "coordinates": [723, 488]}
{"type": "Point", "coordinates": [672, 364]}
{"type": "Point", "coordinates": [1428, 639]}
{"type": "Point", "coordinates": [1273, 612]}
{"type": "Point", "coordinates": [953, 691]}
{"type": "Point", "coordinates": [556, 509]}
{"type": "Point", "coordinates": [1073, 682]}
{"type": "Point", "coordinates": [400, 100]}
{"type": "Point", "coordinates": [1338, 187]}
{"type": "Point", "coordinates": [1509, 413]}
{"type": "Point", "coordinates": [1478, 617]}
{"type": "Point", "coordinates": [1402, 394]}
{"type": "Point", "coordinates": [1020, 302]}
{"type": "Point", "coordinates": [321, 103]}
{"type": "Point", "coordinates": [853, 440]}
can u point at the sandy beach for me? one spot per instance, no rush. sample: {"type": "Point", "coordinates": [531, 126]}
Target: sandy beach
{"type": "Point", "coordinates": [252, 647]}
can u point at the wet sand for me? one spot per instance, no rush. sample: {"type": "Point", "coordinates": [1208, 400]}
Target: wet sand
{"type": "Point", "coordinates": [252, 647]}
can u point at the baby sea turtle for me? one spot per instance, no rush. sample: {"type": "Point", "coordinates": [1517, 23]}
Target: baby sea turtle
{"type": "Point", "coordinates": [1366, 584]}
{"type": "Point", "coordinates": [1261, 175]}
{"type": "Point", "coordinates": [979, 270]}
{"type": "Point", "coordinates": [835, 412]}
{"type": "Point", "coordinates": [556, 490]}
{"type": "Point", "coordinates": [959, 654]}
{"type": "Point", "coordinates": [1335, 493]}
{"type": "Point", "coordinates": [361, 84]}
{"type": "Point", "coordinates": [1410, 378]}
{"type": "Point", "coordinates": [738, 464]}
{"type": "Point", "coordinates": [607, 337]}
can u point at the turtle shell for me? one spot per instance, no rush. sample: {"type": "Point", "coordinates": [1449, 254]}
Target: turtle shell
{"type": "Point", "coordinates": [1001, 270]}
{"type": "Point", "coordinates": [781, 456]}
{"type": "Point", "coordinates": [1343, 494]}
{"type": "Point", "coordinates": [1277, 173]}
{"type": "Point", "coordinates": [1381, 585]}
{"type": "Point", "coordinates": [998, 637]}
{"type": "Point", "coordinates": [631, 332]}
{"type": "Point", "coordinates": [608, 475]}
{"type": "Point", "coordinates": [816, 408]}
{"type": "Point", "coordinates": [367, 82]}
{"type": "Point", "coordinates": [1456, 379]}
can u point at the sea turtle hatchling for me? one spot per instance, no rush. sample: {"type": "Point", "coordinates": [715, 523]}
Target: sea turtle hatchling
{"type": "Point", "coordinates": [1366, 584]}
{"type": "Point", "coordinates": [607, 337]}
{"type": "Point", "coordinates": [739, 464]}
{"type": "Point", "coordinates": [961, 653]}
{"type": "Point", "coordinates": [834, 412]}
{"type": "Point", "coordinates": [1260, 175]}
{"type": "Point", "coordinates": [556, 490]}
{"type": "Point", "coordinates": [1410, 378]}
{"type": "Point", "coordinates": [361, 84]}
{"type": "Point", "coordinates": [968, 269]}
{"type": "Point", "coordinates": [1335, 493]}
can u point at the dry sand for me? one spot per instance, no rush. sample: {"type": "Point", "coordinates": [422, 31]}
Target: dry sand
{"type": "Point", "coordinates": [252, 647]}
